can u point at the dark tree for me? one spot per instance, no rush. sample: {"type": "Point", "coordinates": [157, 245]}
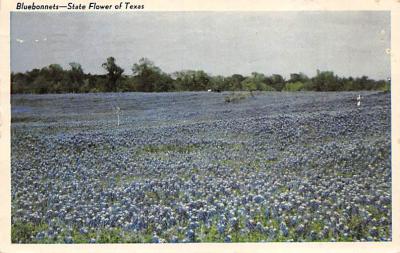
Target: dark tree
{"type": "Point", "coordinates": [276, 81]}
{"type": "Point", "coordinates": [76, 76]}
{"type": "Point", "coordinates": [325, 81]}
{"type": "Point", "coordinates": [149, 77]}
{"type": "Point", "coordinates": [195, 80]}
{"type": "Point", "coordinates": [114, 73]}
{"type": "Point", "coordinates": [300, 77]}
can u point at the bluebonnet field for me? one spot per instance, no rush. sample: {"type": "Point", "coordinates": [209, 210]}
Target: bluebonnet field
{"type": "Point", "coordinates": [190, 167]}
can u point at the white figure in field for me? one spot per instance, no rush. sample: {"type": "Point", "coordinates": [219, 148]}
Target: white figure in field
{"type": "Point", "coordinates": [117, 112]}
{"type": "Point", "coordinates": [209, 90]}
{"type": "Point", "coordinates": [358, 100]}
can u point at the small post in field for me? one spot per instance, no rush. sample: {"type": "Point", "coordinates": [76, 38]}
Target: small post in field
{"type": "Point", "coordinates": [358, 100]}
{"type": "Point", "coordinates": [117, 112]}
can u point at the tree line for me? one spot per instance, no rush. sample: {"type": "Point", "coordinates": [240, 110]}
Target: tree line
{"type": "Point", "coordinates": [147, 77]}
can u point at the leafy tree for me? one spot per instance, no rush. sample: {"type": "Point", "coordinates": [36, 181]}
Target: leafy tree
{"type": "Point", "coordinates": [32, 75]}
{"type": "Point", "coordinates": [276, 81]}
{"type": "Point", "coordinates": [50, 79]}
{"type": "Point", "coordinates": [41, 85]}
{"type": "Point", "coordinates": [235, 81]}
{"type": "Point", "coordinates": [296, 86]}
{"type": "Point", "coordinates": [300, 77]}
{"type": "Point", "coordinates": [325, 81]}
{"type": "Point", "coordinates": [54, 72]}
{"type": "Point", "coordinates": [18, 83]}
{"type": "Point", "coordinates": [249, 85]}
{"type": "Point", "coordinates": [195, 80]}
{"type": "Point", "coordinates": [114, 73]}
{"type": "Point", "coordinates": [76, 76]}
{"type": "Point", "coordinates": [256, 82]}
{"type": "Point", "coordinates": [219, 83]}
{"type": "Point", "coordinates": [149, 77]}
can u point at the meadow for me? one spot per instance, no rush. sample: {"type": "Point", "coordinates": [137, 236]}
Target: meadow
{"type": "Point", "coordinates": [201, 167]}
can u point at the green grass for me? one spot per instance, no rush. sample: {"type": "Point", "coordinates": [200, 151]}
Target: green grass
{"type": "Point", "coordinates": [21, 232]}
{"type": "Point", "coordinates": [26, 233]}
{"type": "Point", "coordinates": [184, 148]}
{"type": "Point", "coordinates": [235, 97]}
{"type": "Point", "coordinates": [23, 119]}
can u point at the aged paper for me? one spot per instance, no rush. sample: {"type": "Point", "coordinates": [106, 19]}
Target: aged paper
{"type": "Point", "coordinates": [117, 114]}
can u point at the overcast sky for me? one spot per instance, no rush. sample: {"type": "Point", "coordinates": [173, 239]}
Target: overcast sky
{"type": "Point", "coordinates": [348, 43]}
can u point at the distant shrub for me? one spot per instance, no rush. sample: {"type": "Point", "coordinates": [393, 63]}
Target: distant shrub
{"type": "Point", "coordinates": [94, 90]}
{"type": "Point", "coordinates": [235, 97]}
{"type": "Point", "coordinates": [268, 88]}
{"type": "Point", "coordinates": [297, 86]}
{"type": "Point", "coordinates": [385, 87]}
{"type": "Point", "coordinates": [256, 82]}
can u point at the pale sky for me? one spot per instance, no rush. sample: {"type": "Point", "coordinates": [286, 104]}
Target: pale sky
{"type": "Point", "coordinates": [348, 43]}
